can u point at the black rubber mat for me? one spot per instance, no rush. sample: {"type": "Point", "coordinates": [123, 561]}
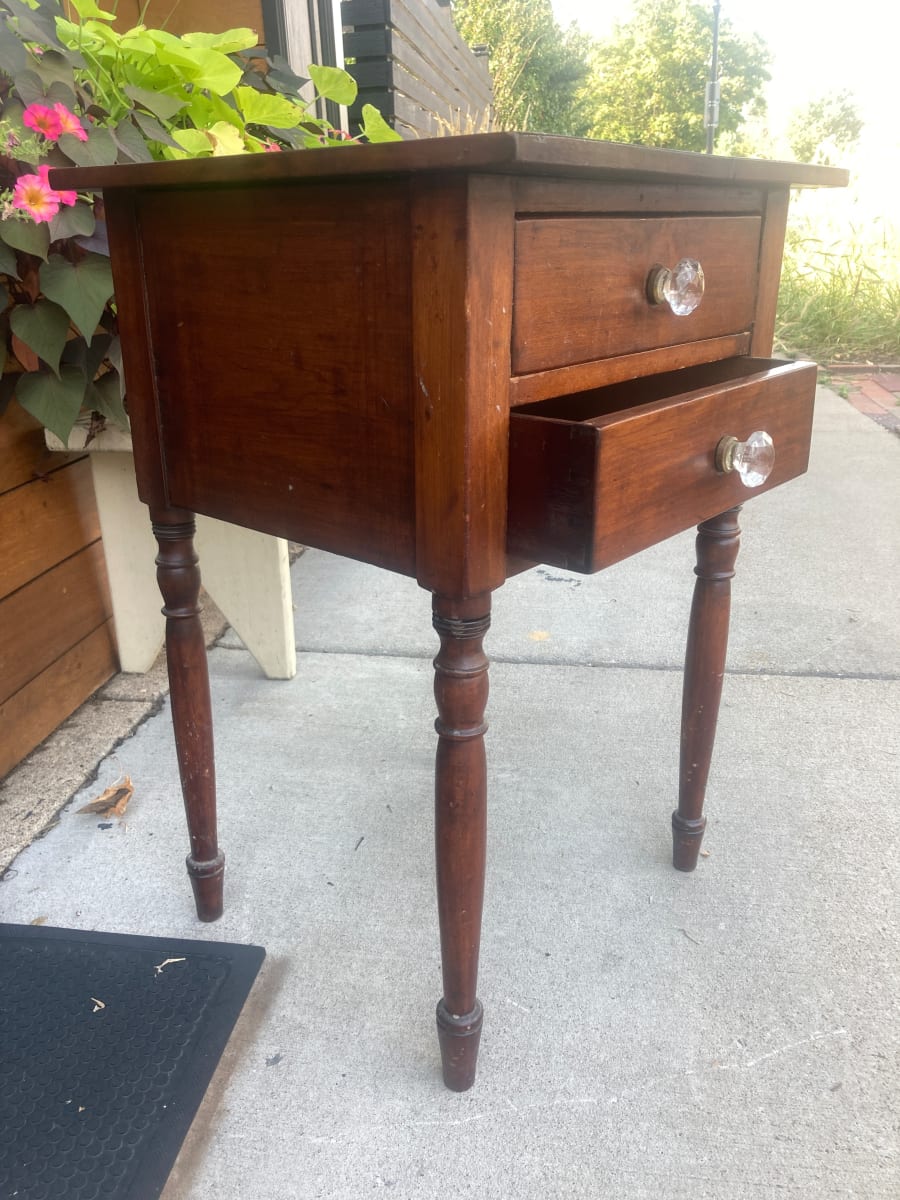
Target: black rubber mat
{"type": "Point", "coordinates": [107, 1045]}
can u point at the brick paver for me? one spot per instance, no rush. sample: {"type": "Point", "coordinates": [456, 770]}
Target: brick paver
{"type": "Point", "coordinates": [876, 394]}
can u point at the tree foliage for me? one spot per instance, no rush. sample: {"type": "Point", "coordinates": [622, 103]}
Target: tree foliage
{"type": "Point", "coordinates": [648, 80]}
{"type": "Point", "coordinates": [539, 69]}
{"type": "Point", "coordinates": [825, 128]}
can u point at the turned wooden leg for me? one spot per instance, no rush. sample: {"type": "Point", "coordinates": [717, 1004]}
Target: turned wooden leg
{"type": "Point", "coordinates": [461, 690]}
{"type": "Point", "coordinates": [717, 545]}
{"type": "Point", "coordinates": [179, 582]}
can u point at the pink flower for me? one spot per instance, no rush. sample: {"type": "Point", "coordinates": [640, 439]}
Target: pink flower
{"type": "Point", "coordinates": [66, 197]}
{"type": "Point", "coordinates": [69, 123]}
{"type": "Point", "coordinates": [43, 120]}
{"type": "Point", "coordinates": [271, 147]}
{"type": "Point", "coordinates": [34, 195]}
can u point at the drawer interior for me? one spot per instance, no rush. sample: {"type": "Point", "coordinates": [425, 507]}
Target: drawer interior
{"type": "Point", "coordinates": [670, 387]}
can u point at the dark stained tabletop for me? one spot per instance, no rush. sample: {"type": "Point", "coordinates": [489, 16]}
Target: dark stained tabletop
{"type": "Point", "coordinates": [504, 153]}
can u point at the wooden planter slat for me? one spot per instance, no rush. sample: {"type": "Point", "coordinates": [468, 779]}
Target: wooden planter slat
{"type": "Point", "coordinates": [41, 621]}
{"type": "Point", "coordinates": [38, 708]}
{"type": "Point", "coordinates": [56, 640]}
{"type": "Point", "coordinates": [45, 521]}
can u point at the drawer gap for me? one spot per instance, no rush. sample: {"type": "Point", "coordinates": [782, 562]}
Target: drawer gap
{"type": "Point", "coordinates": [648, 215]}
{"type": "Point", "coordinates": [596, 403]}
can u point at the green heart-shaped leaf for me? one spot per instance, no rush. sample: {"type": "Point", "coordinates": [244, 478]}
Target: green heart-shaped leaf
{"type": "Point", "coordinates": [75, 221]}
{"type": "Point", "coordinates": [100, 150]}
{"type": "Point", "coordinates": [28, 236]}
{"type": "Point", "coordinates": [282, 78]}
{"type": "Point", "coordinates": [194, 141]}
{"type": "Point", "coordinates": [131, 143]}
{"type": "Point", "coordinates": [87, 358]}
{"type": "Point", "coordinates": [161, 105]}
{"type": "Point", "coordinates": [114, 354]}
{"type": "Point", "coordinates": [13, 56]}
{"type": "Point", "coordinates": [55, 402]}
{"type": "Point", "coordinates": [30, 87]}
{"type": "Point", "coordinates": [226, 139]}
{"type": "Point", "coordinates": [35, 25]}
{"type": "Point", "coordinates": [62, 92]}
{"type": "Point", "coordinates": [87, 8]}
{"type": "Point", "coordinates": [229, 42]}
{"type": "Point", "coordinates": [103, 396]}
{"type": "Point", "coordinates": [260, 109]}
{"type": "Point", "coordinates": [152, 129]}
{"type": "Point", "coordinates": [42, 326]}
{"type": "Point", "coordinates": [8, 264]}
{"type": "Point", "coordinates": [81, 288]}
{"type": "Point", "coordinates": [333, 84]}
{"type": "Point", "coordinates": [376, 128]}
{"type": "Point", "coordinates": [54, 67]}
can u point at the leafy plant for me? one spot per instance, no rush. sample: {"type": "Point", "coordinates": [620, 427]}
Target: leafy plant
{"type": "Point", "coordinates": [648, 78]}
{"type": "Point", "coordinates": [80, 93]}
{"type": "Point", "coordinates": [840, 296]}
{"type": "Point", "coordinates": [537, 68]}
{"type": "Point", "coordinates": [825, 130]}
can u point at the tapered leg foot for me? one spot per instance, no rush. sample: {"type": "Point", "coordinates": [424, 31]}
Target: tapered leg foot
{"type": "Point", "coordinates": [459, 1038]}
{"type": "Point", "coordinates": [207, 880]}
{"type": "Point", "coordinates": [686, 839]}
{"type": "Point", "coordinates": [718, 541]}
{"type": "Point", "coordinates": [460, 688]}
{"type": "Point", "coordinates": [179, 582]}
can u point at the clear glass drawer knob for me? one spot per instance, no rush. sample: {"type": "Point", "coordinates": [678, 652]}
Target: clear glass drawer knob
{"type": "Point", "coordinates": [753, 460]}
{"type": "Point", "coordinates": [681, 287]}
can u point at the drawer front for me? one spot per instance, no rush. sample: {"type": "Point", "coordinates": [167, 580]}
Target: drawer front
{"type": "Point", "coordinates": [581, 285]}
{"type": "Point", "coordinates": [588, 491]}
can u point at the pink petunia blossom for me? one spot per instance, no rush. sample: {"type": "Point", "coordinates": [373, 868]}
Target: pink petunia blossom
{"type": "Point", "coordinates": [69, 123]}
{"type": "Point", "coordinates": [64, 197]}
{"type": "Point", "coordinates": [271, 147]}
{"type": "Point", "coordinates": [34, 195]}
{"type": "Point", "coordinates": [43, 120]}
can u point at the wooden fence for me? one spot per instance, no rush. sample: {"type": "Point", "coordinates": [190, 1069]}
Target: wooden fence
{"type": "Point", "coordinates": [410, 62]}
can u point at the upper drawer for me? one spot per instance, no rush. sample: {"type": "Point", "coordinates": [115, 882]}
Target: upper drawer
{"type": "Point", "coordinates": [581, 285]}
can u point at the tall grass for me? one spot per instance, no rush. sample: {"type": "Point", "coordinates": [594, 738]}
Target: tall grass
{"type": "Point", "coordinates": [840, 295]}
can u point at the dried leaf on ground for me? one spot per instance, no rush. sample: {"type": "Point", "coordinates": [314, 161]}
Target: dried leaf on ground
{"type": "Point", "coordinates": [113, 801]}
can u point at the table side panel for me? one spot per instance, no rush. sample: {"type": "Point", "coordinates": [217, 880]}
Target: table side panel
{"type": "Point", "coordinates": [580, 291]}
{"type": "Point", "coordinates": [281, 342]}
{"type": "Point", "coordinates": [129, 277]}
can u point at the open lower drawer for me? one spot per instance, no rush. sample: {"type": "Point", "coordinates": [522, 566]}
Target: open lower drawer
{"type": "Point", "coordinates": [597, 476]}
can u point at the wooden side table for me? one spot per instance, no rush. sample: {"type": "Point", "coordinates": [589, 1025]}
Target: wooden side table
{"type": "Point", "coordinates": [455, 358]}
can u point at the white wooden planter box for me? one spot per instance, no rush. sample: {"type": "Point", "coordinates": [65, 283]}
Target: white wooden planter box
{"type": "Point", "coordinates": [246, 573]}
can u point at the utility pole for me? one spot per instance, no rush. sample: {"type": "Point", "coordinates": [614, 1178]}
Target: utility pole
{"type": "Point", "coordinates": [711, 116]}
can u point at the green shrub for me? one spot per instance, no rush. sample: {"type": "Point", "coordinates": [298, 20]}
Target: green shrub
{"type": "Point", "coordinates": [840, 297]}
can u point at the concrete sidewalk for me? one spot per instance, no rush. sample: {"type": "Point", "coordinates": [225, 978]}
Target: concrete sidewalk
{"type": "Point", "coordinates": [723, 1035]}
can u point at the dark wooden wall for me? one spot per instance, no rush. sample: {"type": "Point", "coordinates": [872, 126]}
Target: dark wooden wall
{"type": "Point", "coordinates": [56, 636]}
{"type": "Point", "coordinates": [410, 62]}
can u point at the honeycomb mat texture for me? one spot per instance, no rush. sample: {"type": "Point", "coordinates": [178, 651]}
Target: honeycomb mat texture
{"type": "Point", "coordinates": [107, 1045]}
